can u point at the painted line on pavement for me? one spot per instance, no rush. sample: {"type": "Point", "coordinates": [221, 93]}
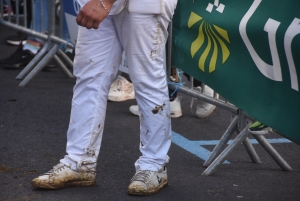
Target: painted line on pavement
{"type": "Point", "coordinates": [195, 147]}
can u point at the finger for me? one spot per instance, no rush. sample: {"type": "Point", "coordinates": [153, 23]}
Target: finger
{"type": "Point", "coordinates": [79, 18]}
{"type": "Point", "coordinates": [89, 24]}
{"type": "Point", "coordinates": [96, 24]}
{"type": "Point", "coordinates": [83, 22]}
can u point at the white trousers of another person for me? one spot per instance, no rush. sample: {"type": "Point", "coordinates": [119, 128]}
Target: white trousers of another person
{"type": "Point", "coordinates": [98, 55]}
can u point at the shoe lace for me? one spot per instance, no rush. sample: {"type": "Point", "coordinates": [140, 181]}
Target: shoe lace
{"type": "Point", "coordinates": [179, 83]}
{"type": "Point", "coordinates": [59, 167]}
{"type": "Point", "coordinates": [117, 84]}
{"type": "Point", "coordinates": [142, 175]}
{"type": "Point", "coordinates": [64, 46]}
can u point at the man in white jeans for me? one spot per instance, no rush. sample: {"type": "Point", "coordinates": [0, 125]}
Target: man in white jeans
{"type": "Point", "coordinates": [139, 27]}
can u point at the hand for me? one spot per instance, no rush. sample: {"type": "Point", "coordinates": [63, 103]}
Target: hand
{"type": "Point", "coordinates": [93, 13]}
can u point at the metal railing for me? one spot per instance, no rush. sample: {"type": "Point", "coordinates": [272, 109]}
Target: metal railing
{"type": "Point", "coordinates": [51, 50]}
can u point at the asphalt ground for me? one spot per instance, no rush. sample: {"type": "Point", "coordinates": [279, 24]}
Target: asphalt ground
{"type": "Point", "coordinates": [33, 124]}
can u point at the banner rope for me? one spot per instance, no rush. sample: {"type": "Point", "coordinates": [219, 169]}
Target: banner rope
{"type": "Point", "coordinates": [177, 84]}
{"type": "Point", "coordinates": [63, 46]}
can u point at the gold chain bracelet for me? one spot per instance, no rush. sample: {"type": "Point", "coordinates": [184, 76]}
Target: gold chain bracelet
{"type": "Point", "coordinates": [104, 6]}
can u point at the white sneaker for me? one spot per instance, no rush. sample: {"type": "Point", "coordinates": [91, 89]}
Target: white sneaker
{"type": "Point", "coordinates": [61, 176]}
{"type": "Point", "coordinates": [175, 108]}
{"type": "Point", "coordinates": [121, 90]}
{"type": "Point", "coordinates": [205, 109]}
{"type": "Point", "coordinates": [134, 109]}
{"type": "Point", "coordinates": [146, 182]}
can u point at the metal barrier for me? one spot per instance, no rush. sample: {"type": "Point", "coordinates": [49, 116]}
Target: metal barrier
{"type": "Point", "coordinates": [240, 123]}
{"type": "Point", "coordinates": [53, 38]}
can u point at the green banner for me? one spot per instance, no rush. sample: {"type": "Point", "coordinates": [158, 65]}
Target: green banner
{"type": "Point", "coordinates": [248, 51]}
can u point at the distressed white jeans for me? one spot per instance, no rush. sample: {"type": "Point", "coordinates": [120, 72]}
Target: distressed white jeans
{"type": "Point", "coordinates": [98, 55]}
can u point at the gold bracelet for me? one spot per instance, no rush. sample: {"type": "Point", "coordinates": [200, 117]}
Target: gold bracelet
{"type": "Point", "coordinates": [104, 6]}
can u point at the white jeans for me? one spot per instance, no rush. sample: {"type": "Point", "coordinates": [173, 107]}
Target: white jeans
{"type": "Point", "coordinates": [98, 55]}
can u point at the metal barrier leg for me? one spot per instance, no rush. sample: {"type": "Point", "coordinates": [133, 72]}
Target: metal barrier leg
{"type": "Point", "coordinates": [229, 149]}
{"type": "Point", "coordinates": [273, 153]}
{"type": "Point", "coordinates": [45, 55]}
{"type": "Point", "coordinates": [251, 151]}
{"type": "Point", "coordinates": [222, 142]}
{"type": "Point", "coordinates": [65, 58]}
{"type": "Point", "coordinates": [32, 63]}
{"type": "Point", "coordinates": [39, 66]}
{"type": "Point", "coordinates": [63, 67]}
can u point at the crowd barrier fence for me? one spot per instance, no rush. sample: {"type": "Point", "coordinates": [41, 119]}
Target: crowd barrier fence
{"type": "Point", "coordinates": [50, 50]}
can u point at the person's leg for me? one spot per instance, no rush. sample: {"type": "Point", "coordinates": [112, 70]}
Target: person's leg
{"type": "Point", "coordinates": [98, 54]}
{"type": "Point", "coordinates": [175, 105]}
{"type": "Point", "coordinates": [24, 54]}
{"type": "Point", "coordinates": [203, 109]}
{"type": "Point", "coordinates": [65, 31]}
{"type": "Point", "coordinates": [40, 19]}
{"type": "Point", "coordinates": [69, 47]}
{"type": "Point", "coordinates": [143, 37]}
{"type": "Point", "coordinates": [19, 36]}
{"type": "Point", "coordinates": [40, 24]}
{"type": "Point", "coordinates": [8, 8]}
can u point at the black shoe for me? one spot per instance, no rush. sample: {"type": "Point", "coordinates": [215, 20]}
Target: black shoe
{"type": "Point", "coordinates": [51, 66]}
{"type": "Point", "coordinates": [19, 58]}
{"type": "Point", "coordinates": [17, 38]}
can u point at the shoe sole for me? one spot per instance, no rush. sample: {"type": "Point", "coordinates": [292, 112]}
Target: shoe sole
{"type": "Point", "coordinates": [261, 132]}
{"type": "Point", "coordinates": [172, 115]}
{"type": "Point", "coordinates": [62, 185]}
{"type": "Point", "coordinates": [176, 114]}
{"type": "Point", "coordinates": [132, 192]}
{"type": "Point", "coordinates": [134, 112]}
{"type": "Point", "coordinates": [5, 15]}
{"type": "Point", "coordinates": [12, 42]}
{"type": "Point", "coordinates": [120, 99]}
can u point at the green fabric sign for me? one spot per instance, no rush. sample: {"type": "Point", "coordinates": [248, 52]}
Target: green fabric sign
{"type": "Point", "coordinates": [248, 51]}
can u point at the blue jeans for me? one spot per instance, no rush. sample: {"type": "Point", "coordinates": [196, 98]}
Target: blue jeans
{"type": "Point", "coordinates": [39, 21]}
{"type": "Point", "coordinates": [65, 31]}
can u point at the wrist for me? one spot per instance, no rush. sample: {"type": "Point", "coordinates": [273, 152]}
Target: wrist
{"type": "Point", "coordinates": [107, 4]}
{"type": "Point", "coordinates": [103, 6]}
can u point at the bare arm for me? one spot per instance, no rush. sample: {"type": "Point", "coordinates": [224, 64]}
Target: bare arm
{"type": "Point", "coordinates": [93, 13]}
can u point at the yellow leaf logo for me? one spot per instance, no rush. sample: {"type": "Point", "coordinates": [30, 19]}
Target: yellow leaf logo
{"type": "Point", "coordinates": [216, 38]}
